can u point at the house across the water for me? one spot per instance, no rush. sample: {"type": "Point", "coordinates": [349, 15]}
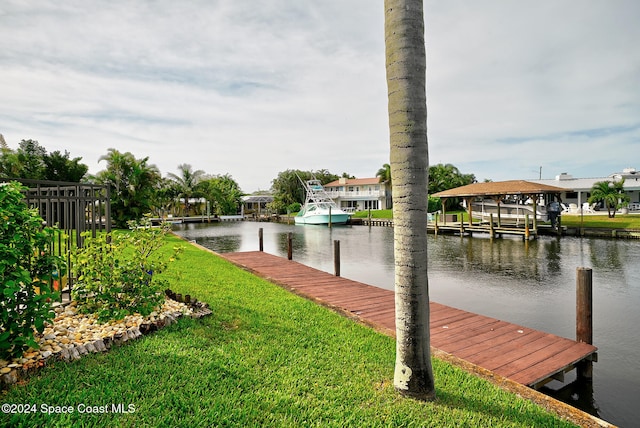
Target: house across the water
{"type": "Point", "coordinates": [578, 190]}
{"type": "Point", "coordinates": [360, 194]}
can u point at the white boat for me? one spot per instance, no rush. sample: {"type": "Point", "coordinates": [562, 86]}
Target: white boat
{"type": "Point", "coordinates": [318, 206]}
{"type": "Point", "coordinates": [518, 212]}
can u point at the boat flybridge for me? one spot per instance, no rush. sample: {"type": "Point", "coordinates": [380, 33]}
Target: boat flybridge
{"type": "Point", "coordinates": [318, 206]}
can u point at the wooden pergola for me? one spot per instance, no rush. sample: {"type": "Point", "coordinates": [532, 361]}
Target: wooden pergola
{"type": "Point", "coordinates": [498, 190]}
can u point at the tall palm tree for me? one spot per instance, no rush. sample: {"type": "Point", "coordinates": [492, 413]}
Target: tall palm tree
{"type": "Point", "coordinates": [611, 193]}
{"type": "Point", "coordinates": [187, 182]}
{"type": "Point", "coordinates": [406, 82]}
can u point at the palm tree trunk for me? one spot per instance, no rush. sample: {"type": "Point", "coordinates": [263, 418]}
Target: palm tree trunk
{"type": "Point", "coordinates": [406, 80]}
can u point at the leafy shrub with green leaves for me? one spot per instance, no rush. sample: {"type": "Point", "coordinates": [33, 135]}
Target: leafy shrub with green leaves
{"type": "Point", "coordinates": [117, 271]}
{"type": "Point", "coordinates": [27, 267]}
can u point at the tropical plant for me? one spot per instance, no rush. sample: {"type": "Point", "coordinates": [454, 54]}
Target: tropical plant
{"type": "Point", "coordinates": [132, 182]}
{"type": "Point", "coordinates": [27, 267]}
{"type": "Point", "coordinates": [406, 69]}
{"type": "Point", "coordinates": [224, 194]}
{"type": "Point", "coordinates": [118, 271]}
{"type": "Point", "coordinates": [32, 161]}
{"type": "Point", "coordinates": [59, 167]}
{"type": "Point", "coordinates": [611, 194]}
{"type": "Point", "coordinates": [445, 177]}
{"type": "Point", "coordinates": [384, 174]}
{"type": "Point", "coordinates": [187, 183]}
{"type": "Point", "coordinates": [287, 187]}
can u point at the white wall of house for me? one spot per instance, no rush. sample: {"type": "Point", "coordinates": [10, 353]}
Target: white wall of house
{"type": "Point", "coordinates": [579, 189]}
{"type": "Point", "coordinates": [360, 194]}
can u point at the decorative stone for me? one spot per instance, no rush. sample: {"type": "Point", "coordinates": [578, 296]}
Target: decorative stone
{"type": "Point", "coordinates": [73, 353]}
{"type": "Point", "coordinates": [64, 354]}
{"type": "Point", "coordinates": [72, 335]}
{"type": "Point", "coordinates": [9, 378]}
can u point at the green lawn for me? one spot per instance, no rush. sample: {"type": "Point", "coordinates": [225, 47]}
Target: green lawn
{"type": "Point", "coordinates": [265, 357]}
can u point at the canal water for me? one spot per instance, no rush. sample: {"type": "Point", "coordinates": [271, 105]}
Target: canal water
{"type": "Point", "coordinates": [531, 283]}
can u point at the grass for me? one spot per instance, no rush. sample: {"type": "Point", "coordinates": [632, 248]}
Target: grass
{"type": "Point", "coordinates": [264, 358]}
{"type": "Point", "coordinates": [620, 221]}
{"type": "Point", "coordinates": [384, 214]}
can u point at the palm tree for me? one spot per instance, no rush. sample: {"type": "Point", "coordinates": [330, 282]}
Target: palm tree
{"type": "Point", "coordinates": [384, 174]}
{"type": "Point", "coordinates": [187, 182]}
{"type": "Point", "coordinates": [132, 184]}
{"type": "Point", "coordinates": [611, 193]}
{"type": "Point", "coordinates": [406, 71]}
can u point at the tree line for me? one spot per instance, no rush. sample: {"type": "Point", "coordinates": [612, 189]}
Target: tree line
{"type": "Point", "coordinates": [136, 186]}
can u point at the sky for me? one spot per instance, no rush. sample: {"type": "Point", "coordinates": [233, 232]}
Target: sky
{"type": "Point", "coordinates": [250, 88]}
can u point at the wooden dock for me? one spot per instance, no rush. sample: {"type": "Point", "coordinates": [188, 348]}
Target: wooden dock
{"type": "Point", "coordinates": [524, 355]}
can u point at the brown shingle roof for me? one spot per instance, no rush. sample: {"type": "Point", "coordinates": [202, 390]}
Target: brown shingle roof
{"type": "Point", "coordinates": [511, 187]}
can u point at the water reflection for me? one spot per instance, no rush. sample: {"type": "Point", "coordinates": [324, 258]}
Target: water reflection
{"type": "Point", "coordinates": [578, 393]}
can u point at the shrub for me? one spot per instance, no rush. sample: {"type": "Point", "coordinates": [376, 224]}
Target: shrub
{"type": "Point", "coordinates": [26, 270]}
{"type": "Point", "coordinates": [117, 272]}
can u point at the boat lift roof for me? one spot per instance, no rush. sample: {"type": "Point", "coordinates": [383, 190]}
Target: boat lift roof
{"type": "Point", "coordinates": [498, 188]}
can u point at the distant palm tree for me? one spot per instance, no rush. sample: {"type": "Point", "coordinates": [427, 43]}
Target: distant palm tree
{"type": "Point", "coordinates": [611, 193]}
{"type": "Point", "coordinates": [406, 82]}
{"type": "Point", "coordinates": [384, 174]}
{"type": "Point", "coordinates": [186, 182]}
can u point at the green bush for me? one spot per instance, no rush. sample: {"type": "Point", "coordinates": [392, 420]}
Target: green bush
{"type": "Point", "coordinates": [117, 272]}
{"type": "Point", "coordinates": [26, 271]}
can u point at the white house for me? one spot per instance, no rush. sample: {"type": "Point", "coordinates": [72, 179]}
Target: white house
{"type": "Point", "coordinates": [579, 189]}
{"type": "Point", "coordinates": [360, 194]}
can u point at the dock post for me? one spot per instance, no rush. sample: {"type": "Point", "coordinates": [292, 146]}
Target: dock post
{"type": "Point", "coordinates": [526, 227]}
{"type": "Point", "coordinates": [336, 257]}
{"type": "Point", "coordinates": [260, 239]}
{"type": "Point", "coordinates": [491, 231]}
{"type": "Point", "coordinates": [584, 316]}
{"type": "Point", "coordinates": [436, 225]}
{"type": "Point", "coordinates": [329, 219]}
{"type": "Point", "coordinates": [290, 246]}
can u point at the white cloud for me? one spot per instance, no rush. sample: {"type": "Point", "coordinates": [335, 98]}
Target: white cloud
{"type": "Point", "coordinates": [254, 88]}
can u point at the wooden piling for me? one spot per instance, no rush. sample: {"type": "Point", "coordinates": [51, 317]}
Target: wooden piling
{"type": "Point", "coordinates": [260, 239]}
{"type": "Point", "coordinates": [491, 230]}
{"type": "Point", "coordinates": [336, 257]}
{"type": "Point", "coordinates": [329, 219]}
{"type": "Point", "coordinates": [584, 316]}
{"type": "Point", "coordinates": [584, 305]}
{"type": "Point", "coordinates": [290, 246]}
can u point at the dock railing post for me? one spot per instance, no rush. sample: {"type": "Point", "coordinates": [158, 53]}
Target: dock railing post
{"type": "Point", "coordinates": [584, 316]}
{"type": "Point", "coordinates": [290, 246]}
{"type": "Point", "coordinates": [260, 239]}
{"type": "Point", "coordinates": [336, 257]}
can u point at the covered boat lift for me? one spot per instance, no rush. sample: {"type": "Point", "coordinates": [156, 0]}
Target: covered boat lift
{"type": "Point", "coordinates": [498, 191]}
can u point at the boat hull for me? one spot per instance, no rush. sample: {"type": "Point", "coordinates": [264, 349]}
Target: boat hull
{"type": "Point", "coordinates": [322, 219]}
{"type": "Point", "coordinates": [507, 211]}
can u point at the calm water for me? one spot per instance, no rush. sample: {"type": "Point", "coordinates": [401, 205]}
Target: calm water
{"type": "Point", "coordinates": [528, 283]}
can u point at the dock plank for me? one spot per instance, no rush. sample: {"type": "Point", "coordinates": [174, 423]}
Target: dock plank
{"type": "Point", "coordinates": [521, 354]}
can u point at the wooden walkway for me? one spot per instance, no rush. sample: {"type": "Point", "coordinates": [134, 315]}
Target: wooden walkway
{"type": "Point", "coordinates": [524, 355]}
